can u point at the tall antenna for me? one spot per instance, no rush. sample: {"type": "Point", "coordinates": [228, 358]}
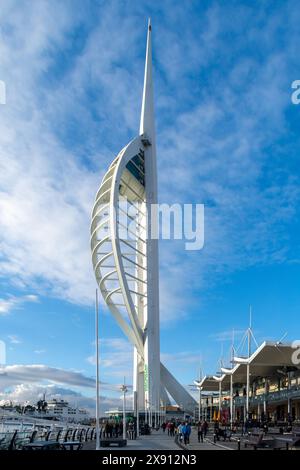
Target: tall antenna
{"type": "Point", "coordinates": [200, 369]}
{"type": "Point", "coordinates": [147, 125]}
{"type": "Point", "coordinates": [232, 349]}
{"type": "Point", "coordinates": [249, 331]}
{"type": "Point", "coordinates": [248, 336]}
{"type": "Point", "coordinates": [222, 355]}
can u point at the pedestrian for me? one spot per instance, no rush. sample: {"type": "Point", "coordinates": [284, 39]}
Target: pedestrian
{"type": "Point", "coordinates": [179, 431]}
{"type": "Point", "coordinates": [205, 428]}
{"type": "Point", "coordinates": [184, 434]}
{"type": "Point", "coordinates": [200, 431]}
{"type": "Point", "coordinates": [188, 431]}
{"type": "Point", "coordinates": [131, 430]}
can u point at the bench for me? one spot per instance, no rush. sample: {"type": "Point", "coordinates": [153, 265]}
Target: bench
{"type": "Point", "coordinates": [254, 441]}
{"type": "Point", "coordinates": [72, 445]}
{"type": "Point", "coordinates": [42, 445]}
{"type": "Point", "coordinates": [113, 441]}
{"type": "Point", "coordinates": [225, 434]}
{"type": "Point", "coordinates": [284, 442]}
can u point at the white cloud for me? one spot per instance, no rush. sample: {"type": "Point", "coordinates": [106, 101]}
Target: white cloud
{"type": "Point", "coordinates": [20, 383]}
{"type": "Point", "coordinates": [183, 357]}
{"type": "Point", "coordinates": [228, 335]}
{"type": "Point", "coordinates": [14, 339]}
{"type": "Point", "coordinates": [116, 359]}
{"type": "Point", "coordinates": [12, 303]}
{"type": "Point", "coordinates": [33, 392]}
{"type": "Point", "coordinates": [36, 373]}
{"type": "Point", "coordinates": [46, 195]}
{"type": "Point", "coordinates": [48, 180]}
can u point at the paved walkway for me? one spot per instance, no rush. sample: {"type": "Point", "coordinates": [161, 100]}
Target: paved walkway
{"type": "Point", "coordinates": [208, 443]}
{"type": "Point", "coordinates": [156, 441]}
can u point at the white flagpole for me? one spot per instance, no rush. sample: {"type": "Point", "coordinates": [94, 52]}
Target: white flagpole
{"type": "Point", "coordinates": [97, 373]}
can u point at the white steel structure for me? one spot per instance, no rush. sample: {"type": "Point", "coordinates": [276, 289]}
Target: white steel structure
{"type": "Point", "coordinates": [125, 256]}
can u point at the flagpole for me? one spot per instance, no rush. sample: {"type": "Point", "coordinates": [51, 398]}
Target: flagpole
{"type": "Point", "coordinates": [97, 373]}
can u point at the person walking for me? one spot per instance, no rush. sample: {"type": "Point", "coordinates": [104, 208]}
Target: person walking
{"type": "Point", "coordinates": [205, 428]}
{"type": "Point", "coordinates": [184, 434]}
{"type": "Point", "coordinates": [179, 432]}
{"type": "Point", "coordinates": [131, 430]}
{"type": "Point", "coordinates": [200, 431]}
{"type": "Point", "coordinates": [188, 431]}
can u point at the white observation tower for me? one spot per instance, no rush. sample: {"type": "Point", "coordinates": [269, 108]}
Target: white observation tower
{"type": "Point", "coordinates": [125, 256]}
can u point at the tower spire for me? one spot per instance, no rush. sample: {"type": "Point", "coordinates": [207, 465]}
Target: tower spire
{"type": "Point", "coordinates": [147, 125]}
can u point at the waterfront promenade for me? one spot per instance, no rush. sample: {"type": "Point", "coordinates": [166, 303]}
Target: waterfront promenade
{"type": "Point", "coordinates": [158, 440]}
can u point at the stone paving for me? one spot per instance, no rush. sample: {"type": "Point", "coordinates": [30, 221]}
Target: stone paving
{"type": "Point", "coordinates": [208, 443]}
{"type": "Point", "coordinates": [158, 440]}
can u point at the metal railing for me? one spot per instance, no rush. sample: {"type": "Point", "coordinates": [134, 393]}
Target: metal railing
{"type": "Point", "coordinates": [17, 439]}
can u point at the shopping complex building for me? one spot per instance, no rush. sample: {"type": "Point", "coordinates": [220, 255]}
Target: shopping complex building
{"type": "Point", "coordinates": [264, 387]}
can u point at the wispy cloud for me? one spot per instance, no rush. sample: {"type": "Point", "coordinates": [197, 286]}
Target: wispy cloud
{"type": "Point", "coordinates": [224, 139]}
{"type": "Point", "coordinates": [183, 357]}
{"type": "Point", "coordinates": [219, 142]}
{"type": "Point", "coordinates": [16, 374]}
{"type": "Point", "coordinates": [116, 359]}
{"type": "Point", "coordinates": [228, 335]}
{"type": "Point", "coordinates": [12, 303]}
{"type": "Point", "coordinates": [14, 339]}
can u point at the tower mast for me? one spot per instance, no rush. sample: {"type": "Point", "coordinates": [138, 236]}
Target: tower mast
{"type": "Point", "coordinates": [151, 308]}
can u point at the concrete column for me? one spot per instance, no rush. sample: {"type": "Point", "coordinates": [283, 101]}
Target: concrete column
{"type": "Point", "coordinates": [289, 409]}
{"type": "Point", "coordinates": [265, 400]}
{"type": "Point", "coordinates": [231, 400]}
{"type": "Point", "coordinates": [247, 391]}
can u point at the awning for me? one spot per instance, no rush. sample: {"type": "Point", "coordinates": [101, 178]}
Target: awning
{"type": "Point", "coordinates": [271, 359]}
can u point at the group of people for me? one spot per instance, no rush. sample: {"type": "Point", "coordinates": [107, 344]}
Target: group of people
{"type": "Point", "coordinates": [183, 430]}
{"type": "Point", "coordinates": [170, 426]}
{"type": "Point", "coordinates": [112, 428]}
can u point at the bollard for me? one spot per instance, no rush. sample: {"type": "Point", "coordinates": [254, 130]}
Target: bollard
{"type": "Point", "coordinates": [215, 437]}
{"type": "Point", "coordinates": [239, 444]}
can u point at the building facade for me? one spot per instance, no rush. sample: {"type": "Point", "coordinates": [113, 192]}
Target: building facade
{"type": "Point", "coordinates": [264, 387]}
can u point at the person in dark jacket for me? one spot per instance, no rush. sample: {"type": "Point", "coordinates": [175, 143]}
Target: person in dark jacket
{"type": "Point", "coordinates": [200, 431]}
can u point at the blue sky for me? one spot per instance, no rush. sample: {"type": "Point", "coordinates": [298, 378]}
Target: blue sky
{"type": "Point", "coordinates": [227, 136]}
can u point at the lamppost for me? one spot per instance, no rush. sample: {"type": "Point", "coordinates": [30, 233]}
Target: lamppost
{"type": "Point", "coordinates": [146, 411]}
{"type": "Point", "coordinates": [97, 373]}
{"type": "Point", "coordinates": [124, 390]}
{"type": "Point", "coordinates": [23, 411]}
